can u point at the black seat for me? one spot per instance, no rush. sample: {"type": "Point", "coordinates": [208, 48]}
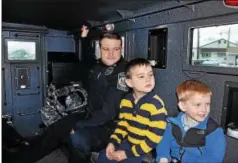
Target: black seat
{"type": "Point", "coordinates": [149, 158]}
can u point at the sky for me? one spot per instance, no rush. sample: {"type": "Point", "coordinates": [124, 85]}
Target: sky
{"type": "Point", "coordinates": [210, 34]}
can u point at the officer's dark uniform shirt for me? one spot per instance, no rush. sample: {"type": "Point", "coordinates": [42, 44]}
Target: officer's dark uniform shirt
{"type": "Point", "coordinates": [106, 87]}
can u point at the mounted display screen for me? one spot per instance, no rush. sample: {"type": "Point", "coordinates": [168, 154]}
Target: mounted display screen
{"type": "Point", "coordinates": [21, 50]}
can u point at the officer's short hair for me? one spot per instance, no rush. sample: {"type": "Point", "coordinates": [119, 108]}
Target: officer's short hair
{"type": "Point", "coordinates": [110, 35]}
{"type": "Point", "coordinates": [190, 87]}
{"type": "Point", "coordinates": [135, 62]}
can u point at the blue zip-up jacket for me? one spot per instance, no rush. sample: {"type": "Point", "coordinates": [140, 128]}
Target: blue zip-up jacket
{"type": "Point", "coordinates": [212, 152]}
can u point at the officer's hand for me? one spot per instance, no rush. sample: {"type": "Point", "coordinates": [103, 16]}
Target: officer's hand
{"type": "Point", "coordinates": [109, 151]}
{"type": "Point", "coordinates": [85, 31]}
{"type": "Point", "coordinates": [72, 131]}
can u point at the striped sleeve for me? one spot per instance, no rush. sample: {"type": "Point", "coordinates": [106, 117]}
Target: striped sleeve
{"type": "Point", "coordinates": [154, 134]}
{"type": "Point", "coordinates": [121, 128]}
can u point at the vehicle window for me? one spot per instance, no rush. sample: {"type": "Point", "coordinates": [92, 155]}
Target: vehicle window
{"type": "Point", "coordinates": [215, 46]}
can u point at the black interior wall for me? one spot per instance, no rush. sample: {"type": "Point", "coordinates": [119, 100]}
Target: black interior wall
{"type": "Point", "coordinates": [178, 21]}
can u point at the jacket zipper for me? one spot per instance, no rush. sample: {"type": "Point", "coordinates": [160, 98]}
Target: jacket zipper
{"type": "Point", "coordinates": [181, 152]}
{"type": "Point", "coordinates": [200, 150]}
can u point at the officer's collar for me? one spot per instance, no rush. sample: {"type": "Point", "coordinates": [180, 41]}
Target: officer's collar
{"type": "Point", "coordinates": [115, 64]}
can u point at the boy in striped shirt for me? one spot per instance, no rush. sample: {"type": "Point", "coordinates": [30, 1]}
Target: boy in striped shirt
{"type": "Point", "coordinates": [142, 119]}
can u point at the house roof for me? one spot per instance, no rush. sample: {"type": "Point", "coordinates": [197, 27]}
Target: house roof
{"type": "Point", "coordinates": [219, 44]}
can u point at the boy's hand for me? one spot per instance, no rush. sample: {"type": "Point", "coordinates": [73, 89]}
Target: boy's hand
{"type": "Point", "coordinates": [85, 31]}
{"type": "Point", "coordinates": [109, 151]}
{"type": "Point", "coordinates": [119, 155]}
{"type": "Point", "coordinates": [164, 160]}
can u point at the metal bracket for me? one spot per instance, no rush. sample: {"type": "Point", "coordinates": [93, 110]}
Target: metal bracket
{"type": "Point", "coordinates": [93, 22]}
{"type": "Point", "coordinates": [125, 13]}
{"type": "Point", "coordinates": [191, 7]}
{"type": "Point", "coordinates": [133, 20]}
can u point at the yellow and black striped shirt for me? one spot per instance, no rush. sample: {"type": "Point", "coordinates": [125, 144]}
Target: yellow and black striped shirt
{"type": "Point", "coordinates": [142, 124]}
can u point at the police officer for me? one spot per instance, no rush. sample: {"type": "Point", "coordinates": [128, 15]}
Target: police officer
{"type": "Point", "coordinates": [106, 87]}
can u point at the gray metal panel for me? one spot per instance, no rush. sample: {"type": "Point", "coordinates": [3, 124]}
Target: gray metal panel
{"type": "Point", "coordinates": [23, 27]}
{"type": "Point", "coordinates": [23, 104]}
{"type": "Point", "coordinates": [59, 41]}
{"type": "Point", "coordinates": [65, 14]}
{"type": "Point", "coordinates": [27, 101]}
{"type": "Point", "coordinates": [202, 11]}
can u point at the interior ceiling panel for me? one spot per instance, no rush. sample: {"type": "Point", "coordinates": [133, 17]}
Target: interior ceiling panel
{"type": "Point", "coordinates": [66, 14]}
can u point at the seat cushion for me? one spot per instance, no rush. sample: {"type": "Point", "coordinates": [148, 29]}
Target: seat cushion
{"type": "Point", "coordinates": [148, 158]}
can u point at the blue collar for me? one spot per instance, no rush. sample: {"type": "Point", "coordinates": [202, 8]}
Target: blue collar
{"type": "Point", "coordinates": [178, 121]}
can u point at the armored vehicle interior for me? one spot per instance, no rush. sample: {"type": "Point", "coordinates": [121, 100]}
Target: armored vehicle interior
{"type": "Point", "coordinates": [183, 39]}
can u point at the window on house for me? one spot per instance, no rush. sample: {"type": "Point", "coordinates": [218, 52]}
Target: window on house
{"type": "Point", "coordinates": [214, 46]}
{"type": "Point", "coordinates": [206, 55]}
{"type": "Point", "coordinates": [219, 54]}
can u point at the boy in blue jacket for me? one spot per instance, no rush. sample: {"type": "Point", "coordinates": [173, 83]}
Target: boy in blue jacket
{"type": "Point", "coordinates": [142, 118]}
{"type": "Point", "coordinates": [192, 136]}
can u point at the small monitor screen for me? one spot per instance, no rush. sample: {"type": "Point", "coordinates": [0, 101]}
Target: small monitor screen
{"type": "Point", "coordinates": [233, 106]}
{"type": "Point", "coordinates": [21, 50]}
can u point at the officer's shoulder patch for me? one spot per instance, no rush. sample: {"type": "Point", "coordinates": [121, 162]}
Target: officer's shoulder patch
{"type": "Point", "coordinates": [121, 83]}
{"type": "Point", "coordinates": [109, 70]}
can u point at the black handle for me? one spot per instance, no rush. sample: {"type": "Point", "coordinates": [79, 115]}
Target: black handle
{"type": "Point", "coordinates": [25, 114]}
{"type": "Point", "coordinates": [4, 87]}
{"type": "Point", "coordinates": [26, 35]}
{"type": "Point", "coordinates": [27, 94]}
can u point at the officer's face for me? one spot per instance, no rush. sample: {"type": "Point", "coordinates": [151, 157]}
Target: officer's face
{"type": "Point", "coordinates": [142, 79]}
{"type": "Point", "coordinates": [110, 51]}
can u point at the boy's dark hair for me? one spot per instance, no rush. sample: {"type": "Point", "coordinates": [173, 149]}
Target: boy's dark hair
{"type": "Point", "coordinates": [110, 35]}
{"type": "Point", "coordinates": [136, 62]}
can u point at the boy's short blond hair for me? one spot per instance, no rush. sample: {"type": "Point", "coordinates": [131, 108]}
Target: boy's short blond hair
{"type": "Point", "coordinates": [190, 87]}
